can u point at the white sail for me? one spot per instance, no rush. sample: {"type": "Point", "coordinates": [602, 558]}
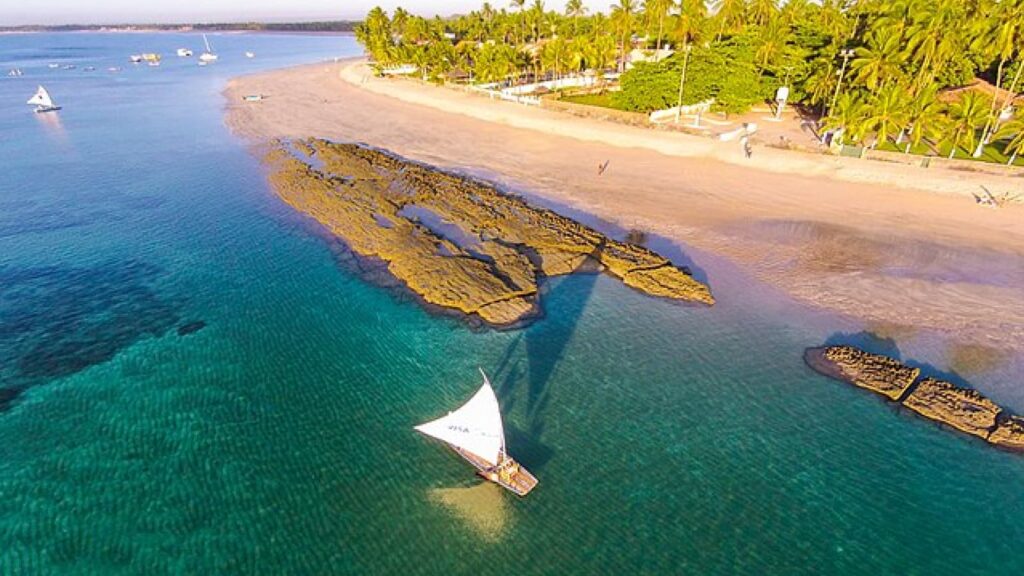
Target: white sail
{"type": "Point", "coordinates": [475, 427]}
{"type": "Point", "coordinates": [207, 43]}
{"type": "Point", "coordinates": [42, 98]}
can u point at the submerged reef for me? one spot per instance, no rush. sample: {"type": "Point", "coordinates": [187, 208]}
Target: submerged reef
{"type": "Point", "coordinates": [963, 409]}
{"type": "Point", "coordinates": [457, 242]}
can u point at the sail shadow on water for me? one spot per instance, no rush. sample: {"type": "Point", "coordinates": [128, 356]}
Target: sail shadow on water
{"type": "Point", "coordinates": [545, 343]}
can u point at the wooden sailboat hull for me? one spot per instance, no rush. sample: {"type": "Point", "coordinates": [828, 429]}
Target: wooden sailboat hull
{"type": "Point", "coordinates": [517, 479]}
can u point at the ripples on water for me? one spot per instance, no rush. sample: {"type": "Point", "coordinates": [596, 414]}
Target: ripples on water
{"type": "Point", "coordinates": [202, 389]}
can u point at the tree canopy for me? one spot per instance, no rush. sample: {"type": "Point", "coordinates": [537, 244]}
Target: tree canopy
{"type": "Point", "coordinates": [878, 70]}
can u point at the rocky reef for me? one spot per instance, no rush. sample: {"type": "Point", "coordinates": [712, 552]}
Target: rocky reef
{"type": "Point", "coordinates": [880, 374]}
{"type": "Point", "coordinates": [457, 242]}
{"type": "Point", "coordinates": [963, 409]}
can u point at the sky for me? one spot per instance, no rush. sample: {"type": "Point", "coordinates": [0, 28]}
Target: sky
{"type": "Point", "coordinates": [15, 12]}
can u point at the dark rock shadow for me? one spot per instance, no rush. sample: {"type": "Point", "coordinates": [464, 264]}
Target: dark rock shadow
{"type": "Point", "coordinates": [871, 342]}
{"type": "Point", "coordinates": [58, 320]}
{"type": "Point", "coordinates": [866, 341]}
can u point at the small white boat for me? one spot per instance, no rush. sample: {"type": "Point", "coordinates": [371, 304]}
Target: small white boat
{"type": "Point", "coordinates": [184, 52]}
{"type": "Point", "coordinates": [15, 72]}
{"type": "Point", "coordinates": [114, 69]}
{"type": "Point", "coordinates": [476, 433]}
{"type": "Point", "coordinates": [203, 62]}
{"type": "Point", "coordinates": [207, 56]}
{"type": "Point", "coordinates": [250, 54]}
{"type": "Point", "coordinates": [42, 101]}
{"type": "Point", "coordinates": [69, 66]}
{"type": "Point", "coordinates": [136, 58]}
{"type": "Point", "coordinates": [89, 68]}
{"type": "Point", "coordinates": [53, 65]}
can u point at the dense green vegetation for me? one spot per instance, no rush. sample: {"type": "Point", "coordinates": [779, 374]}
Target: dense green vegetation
{"type": "Point", "coordinates": [878, 72]}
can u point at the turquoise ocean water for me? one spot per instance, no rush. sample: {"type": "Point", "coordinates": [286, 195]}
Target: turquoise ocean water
{"type": "Point", "coordinates": [191, 383]}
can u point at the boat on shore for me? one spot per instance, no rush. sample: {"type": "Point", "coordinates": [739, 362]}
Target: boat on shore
{"type": "Point", "coordinates": [208, 55]}
{"type": "Point", "coordinates": [475, 432]}
{"type": "Point", "coordinates": [253, 97]}
{"type": "Point", "coordinates": [42, 101]}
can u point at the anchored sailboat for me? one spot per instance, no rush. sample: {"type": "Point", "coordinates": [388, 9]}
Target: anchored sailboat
{"type": "Point", "coordinates": [42, 101]}
{"type": "Point", "coordinates": [207, 56]}
{"type": "Point", "coordinates": [475, 432]}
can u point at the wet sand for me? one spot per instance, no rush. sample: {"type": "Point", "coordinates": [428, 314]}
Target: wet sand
{"type": "Point", "coordinates": [891, 254]}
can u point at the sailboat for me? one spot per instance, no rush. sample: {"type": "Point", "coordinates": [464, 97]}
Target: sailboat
{"type": "Point", "coordinates": [207, 56]}
{"type": "Point", "coordinates": [475, 432]}
{"type": "Point", "coordinates": [42, 101]}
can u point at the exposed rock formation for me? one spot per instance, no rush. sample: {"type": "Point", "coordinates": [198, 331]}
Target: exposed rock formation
{"type": "Point", "coordinates": [1009, 433]}
{"type": "Point", "coordinates": [879, 374]}
{"type": "Point", "coordinates": [456, 242]}
{"type": "Point", "coordinates": [961, 408]}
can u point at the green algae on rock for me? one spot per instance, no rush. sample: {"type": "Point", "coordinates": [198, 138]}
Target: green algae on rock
{"type": "Point", "coordinates": [457, 242]}
{"type": "Point", "coordinates": [963, 409]}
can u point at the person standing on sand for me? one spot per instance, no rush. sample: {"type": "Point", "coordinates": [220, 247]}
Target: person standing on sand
{"type": "Point", "coordinates": [745, 143]}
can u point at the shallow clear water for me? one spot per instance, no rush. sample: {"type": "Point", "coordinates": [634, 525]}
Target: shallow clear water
{"type": "Point", "coordinates": [277, 437]}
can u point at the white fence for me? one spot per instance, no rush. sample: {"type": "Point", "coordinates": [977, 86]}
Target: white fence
{"type": "Point", "coordinates": [669, 114]}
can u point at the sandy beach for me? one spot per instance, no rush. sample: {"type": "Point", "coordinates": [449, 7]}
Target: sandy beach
{"type": "Point", "coordinates": [898, 246]}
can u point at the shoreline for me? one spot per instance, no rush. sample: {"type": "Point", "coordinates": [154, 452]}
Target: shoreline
{"type": "Point", "coordinates": [681, 144]}
{"type": "Point", "coordinates": [888, 256]}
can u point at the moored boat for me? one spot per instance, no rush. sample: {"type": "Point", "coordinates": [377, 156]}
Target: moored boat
{"type": "Point", "coordinates": [208, 55]}
{"type": "Point", "coordinates": [476, 433]}
{"type": "Point", "coordinates": [184, 52]}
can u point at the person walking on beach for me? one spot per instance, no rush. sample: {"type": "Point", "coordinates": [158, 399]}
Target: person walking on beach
{"type": "Point", "coordinates": [745, 143]}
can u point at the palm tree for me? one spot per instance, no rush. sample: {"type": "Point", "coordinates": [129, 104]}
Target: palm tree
{"type": "Point", "coordinates": [1002, 35]}
{"type": "Point", "coordinates": [763, 11]}
{"type": "Point", "coordinates": [730, 15]}
{"type": "Point", "coordinates": [966, 116]}
{"type": "Point", "coordinates": [821, 83]}
{"type": "Point", "coordinates": [622, 18]}
{"type": "Point", "coordinates": [879, 61]}
{"type": "Point", "coordinates": [933, 36]}
{"type": "Point", "coordinates": [537, 18]}
{"type": "Point", "coordinates": [847, 115]}
{"type": "Point", "coordinates": [773, 41]}
{"type": "Point", "coordinates": [655, 11]}
{"type": "Point", "coordinates": [1014, 131]}
{"type": "Point", "coordinates": [690, 21]}
{"type": "Point", "coordinates": [574, 9]}
{"type": "Point", "coordinates": [885, 114]}
{"type": "Point", "coordinates": [924, 117]}
{"type": "Point", "coordinates": [520, 6]}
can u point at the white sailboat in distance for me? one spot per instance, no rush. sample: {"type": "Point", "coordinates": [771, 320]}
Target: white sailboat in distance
{"type": "Point", "coordinates": [42, 101]}
{"type": "Point", "coordinates": [207, 56]}
{"type": "Point", "coordinates": [475, 432]}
